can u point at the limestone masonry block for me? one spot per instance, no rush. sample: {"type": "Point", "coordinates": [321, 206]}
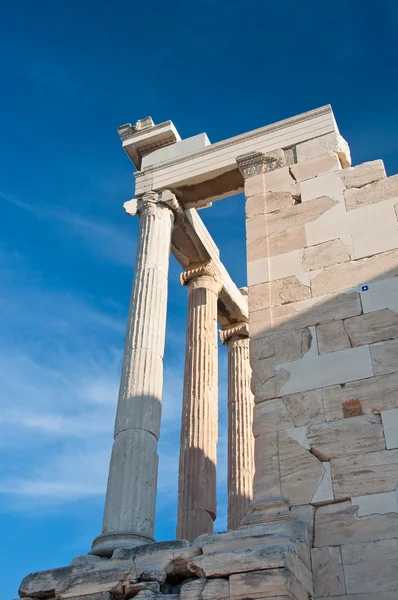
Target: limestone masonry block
{"type": "Point", "coordinates": [258, 271]}
{"type": "Point", "coordinates": [373, 394]}
{"type": "Point", "coordinates": [364, 174]}
{"type": "Point", "coordinates": [305, 408]}
{"type": "Point", "coordinates": [299, 214]}
{"type": "Point", "coordinates": [327, 571]}
{"type": "Point", "coordinates": [306, 313]}
{"type": "Point", "coordinates": [277, 201]}
{"type": "Point", "coordinates": [384, 357]}
{"type": "Point", "coordinates": [332, 336]}
{"type": "Point", "coordinates": [259, 296]}
{"type": "Point", "coordinates": [316, 166]}
{"type": "Point", "coordinates": [347, 275]}
{"type": "Point", "coordinates": [260, 323]}
{"type": "Point", "coordinates": [272, 584]}
{"type": "Point", "coordinates": [288, 289]}
{"type": "Point", "coordinates": [345, 526]}
{"type": "Point", "coordinates": [365, 473]}
{"type": "Point", "coordinates": [370, 566]}
{"type": "Point", "coordinates": [277, 179]}
{"type": "Point", "coordinates": [266, 476]}
{"type": "Point", "coordinates": [325, 185]}
{"type": "Point", "coordinates": [372, 193]}
{"type": "Point", "coordinates": [286, 241]}
{"type": "Point", "coordinates": [255, 206]}
{"type": "Point", "coordinates": [324, 370]}
{"type": "Point", "coordinates": [288, 264]}
{"type": "Point", "coordinates": [292, 345]}
{"type": "Point", "coordinates": [330, 142]}
{"type": "Point", "coordinates": [348, 436]}
{"type": "Point", "coordinates": [390, 424]}
{"type": "Point", "coordinates": [373, 327]}
{"type": "Point", "coordinates": [300, 472]}
{"type": "Point", "coordinates": [325, 255]}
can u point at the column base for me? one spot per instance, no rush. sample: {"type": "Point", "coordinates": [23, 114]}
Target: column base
{"type": "Point", "coordinates": [106, 543]}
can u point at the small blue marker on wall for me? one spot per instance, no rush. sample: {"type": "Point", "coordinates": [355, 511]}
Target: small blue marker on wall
{"type": "Point", "coordinates": [365, 288]}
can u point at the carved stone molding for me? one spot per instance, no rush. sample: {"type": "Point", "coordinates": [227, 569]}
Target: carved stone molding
{"type": "Point", "coordinates": [256, 163]}
{"type": "Point", "coordinates": [236, 330]}
{"type": "Point", "coordinates": [206, 269]}
{"type": "Point", "coordinates": [148, 200]}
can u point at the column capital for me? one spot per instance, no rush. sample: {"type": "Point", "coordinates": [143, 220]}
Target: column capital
{"type": "Point", "coordinates": [238, 330]}
{"type": "Point", "coordinates": [257, 163]}
{"type": "Point", "coordinates": [149, 200]}
{"type": "Point", "coordinates": [202, 275]}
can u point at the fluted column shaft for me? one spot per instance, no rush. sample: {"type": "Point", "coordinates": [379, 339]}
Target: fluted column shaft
{"type": "Point", "coordinates": [199, 430]}
{"type": "Point", "coordinates": [129, 513]}
{"type": "Point", "coordinates": [240, 424]}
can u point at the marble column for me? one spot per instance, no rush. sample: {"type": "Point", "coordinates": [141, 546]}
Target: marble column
{"type": "Point", "coordinates": [199, 430]}
{"type": "Point", "coordinates": [240, 423]}
{"type": "Point", "coordinates": [131, 493]}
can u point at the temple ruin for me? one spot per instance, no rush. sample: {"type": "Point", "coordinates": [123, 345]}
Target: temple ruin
{"type": "Point", "coordinates": [312, 377]}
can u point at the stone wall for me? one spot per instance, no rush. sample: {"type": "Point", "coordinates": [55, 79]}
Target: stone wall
{"type": "Point", "coordinates": [322, 245]}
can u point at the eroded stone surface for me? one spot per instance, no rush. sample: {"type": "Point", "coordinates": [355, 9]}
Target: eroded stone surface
{"type": "Point", "coordinates": [364, 572]}
{"type": "Point", "coordinates": [348, 436]}
{"type": "Point", "coordinates": [364, 174]}
{"type": "Point", "coordinates": [286, 290]}
{"type": "Point", "coordinates": [376, 326]}
{"type": "Point", "coordinates": [332, 336]}
{"type": "Point", "coordinates": [325, 255]}
{"type": "Point", "coordinates": [365, 473]}
{"type": "Point", "coordinates": [327, 571]}
{"type": "Point", "coordinates": [375, 192]}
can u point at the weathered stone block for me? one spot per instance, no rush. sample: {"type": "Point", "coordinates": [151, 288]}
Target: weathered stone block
{"type": "Point", "coordinates": [300, 472]}
{"type": "Point", "coordinates": [259, 296]}
{"type": "Point", "coordinates": [350, 274]}
{"type": "Point", "coordinates": [384, 357]}
{"type": "Point", "coordinates": [306, 313]}
{"type": "Point", "coordinates": [298, 215]}
{"type": "Point", "coordinates": [327, 571]}
{"type": "Point", "coordinates": [292, 345]}
{"type": "Point", "coordinates": [316, 166]}
{"type": "Point", "coordinates": [280, 178]}
{"type": "Point", "coordinates": [258, 271]}
{"type": "Point", "coordinates": [287, 241]}
{"type": "Point", "coordinates": [384, 503]}
{"type": "Point", "coordinates": [266, 482]}
{"type": "Point", "coordinates": [288, 289]}
{"type": "Point", "coordinates": [44, 583]}
{"type": "Point", "coordinates": [271, 584]}
{"type": "Point", "coordinates": [373, 327]}
{"type": "Point", "coordinates": [325, 255]}
{"type": "Point", "coordinates": [330, 142]}
{"type": "Point", "coordinates": [344, 526]}
{"type": "Point", "coordinates": [304, 408]}
{"type": "Point", "coordinates": [365, 473]}
{"type": "Point", "coordinates": [375, 192]}
{"type": "Point", "coordinates": [277, 200]}
{"type": "Point", "coordinates": [348, 436]}
{"type": "Point", "coordinates": [260, 323]}
{"type": "Point", "coordinates": [97, 581]}
{"type": "Point", "coordinates": [364, 174]}
{"type": "Point", "coordinates": [370, 566]}
{"type": "Point", "coordinates": [371, 395]}
{"type": "Point", "coordinates": [271, 416]}
{"type": "Point", "coordinates": [332, 336]}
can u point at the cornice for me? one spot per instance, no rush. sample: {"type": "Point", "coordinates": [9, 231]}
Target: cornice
{"type": "Point", "coordinates": [250, 135]}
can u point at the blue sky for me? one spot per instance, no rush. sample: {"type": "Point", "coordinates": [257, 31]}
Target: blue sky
{"type": "Point", "coordinates": [71, 73]}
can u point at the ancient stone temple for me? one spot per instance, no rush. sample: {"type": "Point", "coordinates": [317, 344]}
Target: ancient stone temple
{"type": "Point", "coordinates": [312, 377]}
